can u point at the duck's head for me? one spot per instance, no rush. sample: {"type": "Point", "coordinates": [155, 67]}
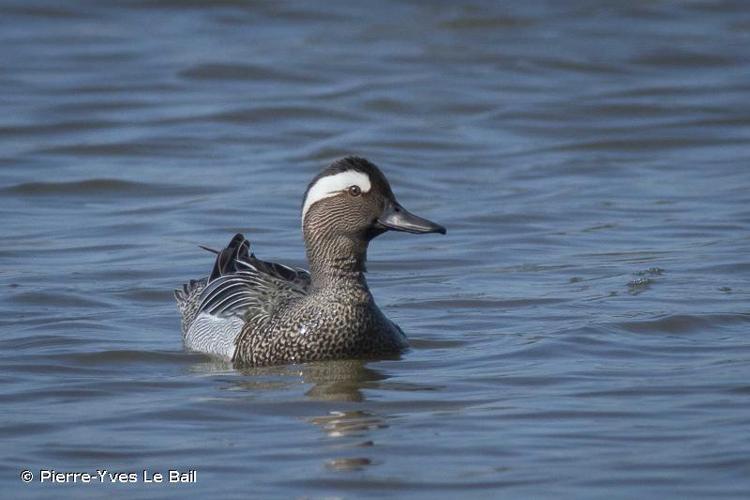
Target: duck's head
{"type": "Point", "coordinates": [351, 202]}
{"type": "Point", "coordinates": [353, 197]}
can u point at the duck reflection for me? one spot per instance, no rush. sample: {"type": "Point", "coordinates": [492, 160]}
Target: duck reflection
{"type": "Point", "coordinates": [341, 380]}
{"type": "Point", "coordinates": [349, 433]}
{"type": "Point", "coordinates": [348, 428]}
{"type": "Point", "coordinates": [349, 423]}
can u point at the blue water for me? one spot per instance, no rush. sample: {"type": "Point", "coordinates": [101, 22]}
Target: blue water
{"type": "Point", "coordinates": [581, 332]}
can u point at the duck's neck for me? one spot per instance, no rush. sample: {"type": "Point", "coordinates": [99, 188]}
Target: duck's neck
{"type": "Point", "coordinates": [337, 262]}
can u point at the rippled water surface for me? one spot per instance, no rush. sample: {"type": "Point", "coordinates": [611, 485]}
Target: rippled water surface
{"type": "Point", "coordinates": [582, 331]}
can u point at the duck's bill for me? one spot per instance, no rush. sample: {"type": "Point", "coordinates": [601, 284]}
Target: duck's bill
{"type": "Point", "coordinates": [397, 218]}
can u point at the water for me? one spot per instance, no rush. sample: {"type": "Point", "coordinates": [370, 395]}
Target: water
{"type": "Point", "coordinates": [581, 331]}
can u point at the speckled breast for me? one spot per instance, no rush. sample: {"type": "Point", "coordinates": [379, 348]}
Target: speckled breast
{"type": "Point", "coordinates": [313, 332]}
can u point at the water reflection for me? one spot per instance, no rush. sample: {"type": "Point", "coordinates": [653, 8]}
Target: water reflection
{"type": "Point", "coordinates": [348, 464]}
{"type": "Point", "coordinates": [352, 431]}
{"type": "Point", "coordinates": [328, 380]}
{"type": "Point", "coordinates": [349, 423]}
{"type": "Point", "coordinates": [347, 429]}
{"type": "Point", "coordinates": [340, 380]}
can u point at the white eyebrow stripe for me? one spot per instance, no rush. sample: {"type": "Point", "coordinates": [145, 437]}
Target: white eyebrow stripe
{"type": "Point", "coordinates": [331, 185]}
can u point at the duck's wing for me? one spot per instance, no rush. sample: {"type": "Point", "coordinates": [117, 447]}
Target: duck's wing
{"type": "Point", "coordinates": [242, 286]}
{"type": "Point", "coordinates": [190, 295]}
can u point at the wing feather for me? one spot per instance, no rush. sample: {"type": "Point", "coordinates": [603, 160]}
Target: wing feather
{"type": "Point", "coordinates": [243, 286]}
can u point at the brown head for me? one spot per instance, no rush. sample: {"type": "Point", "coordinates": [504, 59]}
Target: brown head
{"type": "Point", "coordinates": [347, 205]}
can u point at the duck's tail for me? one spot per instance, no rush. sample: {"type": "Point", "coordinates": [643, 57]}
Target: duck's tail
{"type": "Point", "coordinates": [188, 299]}
{"type": "Point", "coordinates": [226, 260]}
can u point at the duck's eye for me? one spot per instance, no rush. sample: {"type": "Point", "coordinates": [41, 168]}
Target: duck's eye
{"type": "Point", "coordinates": [355, 190]}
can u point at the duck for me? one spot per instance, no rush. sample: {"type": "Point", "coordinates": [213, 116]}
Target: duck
{"type": "Point", "coordinates": [252, 312]}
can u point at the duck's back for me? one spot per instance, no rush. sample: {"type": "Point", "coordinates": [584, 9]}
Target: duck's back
{"type": "Point", "coordinates": [241, 290]}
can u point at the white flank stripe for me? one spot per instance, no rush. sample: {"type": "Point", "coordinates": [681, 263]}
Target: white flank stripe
{"type": "Point", "coordinates": [332, 185]}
